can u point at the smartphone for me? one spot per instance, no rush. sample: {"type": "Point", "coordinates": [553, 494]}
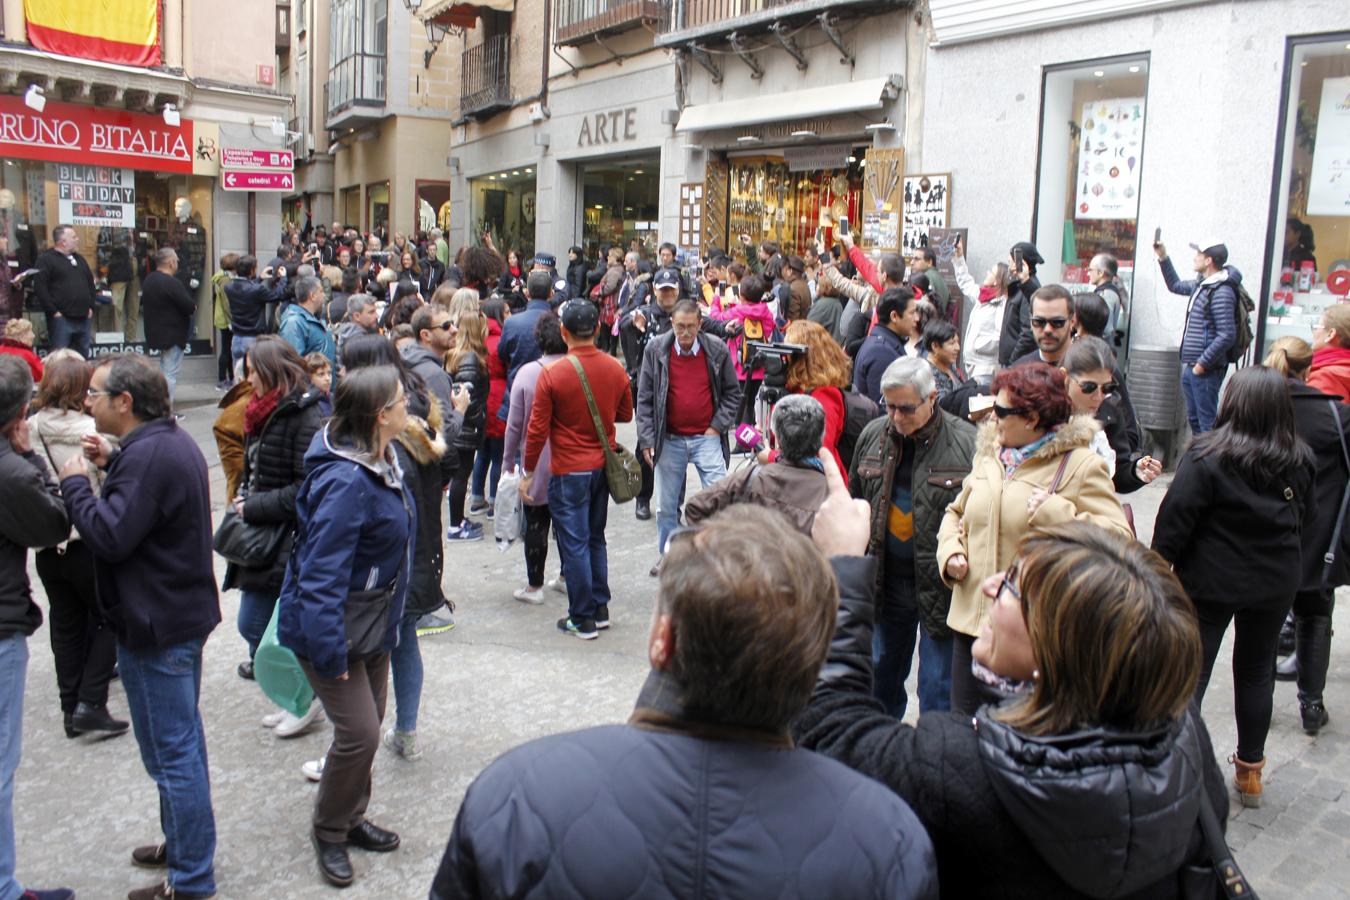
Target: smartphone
{"type": "Point", "coordinates": [1017, 259]}
{"type": "Point", "coordinates": [843, 224]}
{"type": "Point", "coordinates": [1159, 454]}
{"type": "Point", "coordinates": [1157, 236]}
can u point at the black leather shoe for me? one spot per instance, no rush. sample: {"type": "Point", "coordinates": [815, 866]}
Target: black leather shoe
{"type": "Point", "coordinates": [70, 728]}
{"type": "Point", "coordinates": [644, 510]}
{"type": "Point", "coordinates": [245, 670]}
{"type": "Point", "coordinates": [334, 864]}
{"type": "Point", "coordinates": [369, 836]}
{"type": "Point", "coordinates": [95, 720]}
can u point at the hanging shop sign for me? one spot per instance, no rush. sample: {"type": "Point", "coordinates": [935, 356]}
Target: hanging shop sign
{"type": "Point", "coordinates": [1329, 183]}
{"type": "Point", "coordinates": [70, 133]}
{"type": "Point", "coordinates": [1109, 143]}
{"type": "Point", "coordinates": [95, 195]}
{"type": "Point", "coordinates": [264, 160]}
{"type": "Point", "coordinates": [813, 159]}
{"type": "Point", "coordinates": [257, 181]}
{"type": "Point", "coordinates": [928, 199]}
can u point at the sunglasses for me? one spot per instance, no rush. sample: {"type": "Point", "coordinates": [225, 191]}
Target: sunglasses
{"type": "Point", "coordinates": [905, 409]}
{"type": "Point", "coordinates": [1056, 323]}
{"type": "Point", "coordinates": [1090, 387]}
{"type": "Point", "coordinates": [447, 325]}
{"type": "Point", "coordinates": [1004, 411]}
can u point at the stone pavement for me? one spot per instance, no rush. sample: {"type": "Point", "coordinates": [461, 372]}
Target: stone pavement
{"type": "Point", "coordinates": [502, 677]}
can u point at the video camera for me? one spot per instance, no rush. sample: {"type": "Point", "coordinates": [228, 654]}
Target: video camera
{"type": "Point", "coordinates": [773, 358]}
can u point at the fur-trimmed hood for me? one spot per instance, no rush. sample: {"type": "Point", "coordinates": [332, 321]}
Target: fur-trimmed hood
{"type": "Point", "coordinates": [422, 438]}
{"type": "Point", "coordinates": [1075, 433]}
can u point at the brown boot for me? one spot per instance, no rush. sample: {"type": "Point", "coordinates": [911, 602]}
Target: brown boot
{"type": "Point", "coordinates": [1248, 780]}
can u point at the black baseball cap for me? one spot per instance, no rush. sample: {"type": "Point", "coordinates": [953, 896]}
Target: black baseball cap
{"type": "Point", "coordinates": [580, 317]}
{"type": "Point", "coordinates": [665, 278]}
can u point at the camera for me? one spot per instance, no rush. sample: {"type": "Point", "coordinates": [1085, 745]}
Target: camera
{"type": "Point", "coordinates": [773, 358]}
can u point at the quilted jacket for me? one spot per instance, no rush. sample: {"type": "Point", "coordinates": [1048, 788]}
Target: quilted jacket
{"type": "Point", "coordinates": [663, 807]}
{"type": "Point", "coordinates": [1098, 813]}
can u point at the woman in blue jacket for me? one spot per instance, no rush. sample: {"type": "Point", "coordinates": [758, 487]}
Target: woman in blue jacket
{"type": "Point", "coordinates": [343, 597]}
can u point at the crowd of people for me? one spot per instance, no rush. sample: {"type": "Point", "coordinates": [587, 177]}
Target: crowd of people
{"type": "Point", "coordinates": [913, 482]}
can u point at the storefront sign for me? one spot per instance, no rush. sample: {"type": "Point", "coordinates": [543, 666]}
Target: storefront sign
{"type": "Point", "coordinates": [1329, 183]}
{"type": "Point", "coordinates": [1110, 144]}
{"type": "Point", "coordinates": [266, 160]}
{"type": "Point", "coordinates": [927, 201]}
{"type": "Point", "coordinates": [70, 133]}
{"type": "Point", "coordinates": [257, 181]}
{"type": "Point", "coordinates": [813, 159]}
{"type": "Point", "coordinates": [93, 195]}
{"type": "Point", "coordinates": [612, 127]}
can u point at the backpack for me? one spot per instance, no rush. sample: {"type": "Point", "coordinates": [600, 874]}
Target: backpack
{"type": "Point", "coordinates": [1243, 307]}
{"type": "Point", "coordinates": [752, 331]}
{"type": "Point", "coordinates": [858, 411]}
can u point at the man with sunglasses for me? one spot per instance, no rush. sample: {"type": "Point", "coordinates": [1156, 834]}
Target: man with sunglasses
{"type": "Point", "coordinates": [908, 465]}
{"type": "Point", "coordinates": [1052, 324]}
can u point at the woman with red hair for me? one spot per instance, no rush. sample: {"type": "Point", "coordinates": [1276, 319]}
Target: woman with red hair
{"type": "Point", "coordinates": [824, 371]}
{"type": "Point", "coordinates": [1033, 468]}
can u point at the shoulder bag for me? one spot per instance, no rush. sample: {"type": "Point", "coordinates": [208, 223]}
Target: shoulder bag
{"type": "Point", "coordinates": [1221, 878]}
{"type": "Point", "coordinates": [622, 471]}
{"type": "Point", "coordinates": [248, 544]}
{"type": "Point", "coordinates": [1329, 561]}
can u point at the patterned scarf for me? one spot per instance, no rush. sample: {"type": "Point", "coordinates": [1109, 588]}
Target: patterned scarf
{"type": "Point", "coordinates": [1012, 457]}
{"type": "Point", "coordinates": [259, 408]}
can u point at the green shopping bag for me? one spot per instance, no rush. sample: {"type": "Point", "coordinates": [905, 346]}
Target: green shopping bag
{"type": "Point", "coordinates": [278, 673]}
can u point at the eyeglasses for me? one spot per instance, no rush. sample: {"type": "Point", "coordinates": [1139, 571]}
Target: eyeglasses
{"type": "Point", "coordinates": [1090, 387]}
{"type": "Point", "coordinates": [905, 409]}
{"type": "Point", "coordinates": [1056, 323]}
{"type": "Point", "coordinates": [1009, 584]}
{"type": "Point", "coordinates": [400, 400]}
{"type": "Point", "coordinates": [91, 393]}
{"type": "Point", "coordinates": [1004, 411]}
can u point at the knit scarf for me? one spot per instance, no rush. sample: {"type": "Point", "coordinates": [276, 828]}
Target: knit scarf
{"type": "Point", "coordinates": [258, 410]}
{"type": "Point", "coordinates": [989, 292]}
{"type": "Point", "coordinates": [1012, 457]}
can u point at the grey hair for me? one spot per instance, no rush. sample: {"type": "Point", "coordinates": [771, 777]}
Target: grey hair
{"type": "Point", "coordinates": [799, 425]}
{"type": "Point", "coordinates": [16, 388]}
{"type": "Point", "coordinates": [163, 255]}
{"type": "Point", "coordinates": [305, 286]}
{"type": "Point", "coordinates": [304, 270]}
{"type": "Point", "coordinates": [910, 371]}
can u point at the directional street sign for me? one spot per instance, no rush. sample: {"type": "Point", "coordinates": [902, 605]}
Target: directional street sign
{"type": "Point", "coordinates": [257, 181]}
{"type": "Point", "coordinates": [272, 160]}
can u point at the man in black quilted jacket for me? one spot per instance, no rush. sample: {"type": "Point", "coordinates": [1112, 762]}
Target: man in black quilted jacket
{"type": "Point", "coordinates": [702, 792]}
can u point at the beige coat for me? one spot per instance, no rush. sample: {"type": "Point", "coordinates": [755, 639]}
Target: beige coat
{"type": "Point", "coordinates": [989, 517]}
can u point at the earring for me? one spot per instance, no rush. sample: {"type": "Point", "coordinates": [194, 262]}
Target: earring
{"type": "Point", "coordinates": [1035, 674]}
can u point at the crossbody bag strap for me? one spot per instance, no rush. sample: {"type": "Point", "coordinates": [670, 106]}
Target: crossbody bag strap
{"type": "Point", "coordinates": [1059, 473]}
{"type": "Point", "coordinates": [1232, 882]}
{"type": "Point", "coordinates": [590, 401]}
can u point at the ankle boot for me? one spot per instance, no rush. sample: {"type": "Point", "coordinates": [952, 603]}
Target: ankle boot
{"type": "Point", "coordinates": [1248, 780]}
{"type": "Point", "coordinates": [1314, 652]}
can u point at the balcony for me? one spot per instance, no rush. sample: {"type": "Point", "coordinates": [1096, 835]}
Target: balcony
{"type": "Point", "coordinates": [354, 94]}
{"type": "Point", "coordinates": [701, 20]}
{"type": "Point", "coordinates": [579, 21]}
{"type": "Point", "coordinates": [485, 86]}
{"type": "Point", "coordinates": [283, 26]}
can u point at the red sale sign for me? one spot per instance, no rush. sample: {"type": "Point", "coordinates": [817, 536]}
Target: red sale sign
{"type": "Point", "coordinates": [70, 133]}
{"type": "Point", "coordinates": [257, 181]}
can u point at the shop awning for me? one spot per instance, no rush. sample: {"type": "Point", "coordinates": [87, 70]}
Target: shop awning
{"type": "Point", "coordinates": [446, 10]}
{"type": "Point", "coordinates": [854, 96]}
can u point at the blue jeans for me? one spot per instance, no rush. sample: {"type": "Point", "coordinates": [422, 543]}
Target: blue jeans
{"type": "Point", "coordinates": [13, 673]}
{"type": "Point", "coordinates": [170, 361]}
{"type": "Point", "coordinates": [239, 347]}
{"type": "Point", "coordinates": [579, 504]}
{"type": "Point", "coordinates": [406, 663]}
{"type": "Point", "coordinates": [72, 333]}
{"type": "Point", "coordinates": [163, 690]}
{"type": "Point", "coordinates": [705, 452]}
{"type": "Point", "coordinates": [935, 672]}
{"type": "Point", "coordinates": [897, 625]}
{"type": "Point", "coordinates": [1202, 396]}
{"type": "Point", "coordinates": [255, 611]}
{"type": "Point", "coordinates": [489, 456]}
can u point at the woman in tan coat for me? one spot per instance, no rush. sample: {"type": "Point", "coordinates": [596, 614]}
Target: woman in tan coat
{"type": "Point", "coordinates": [1033, 468]}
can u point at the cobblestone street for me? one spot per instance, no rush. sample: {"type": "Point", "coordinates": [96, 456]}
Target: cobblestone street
{"type": "Point", "coordinates": [504, 675]}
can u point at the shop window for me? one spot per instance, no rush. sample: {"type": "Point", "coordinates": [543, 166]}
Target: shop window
{"type": "Point", "coordinates": [1308, 260]}
{"type": "Point", "coordinates": [503, 204]}
{"type": "Point", "coordinates": [1090, 172]}
{"type": "Point", "coordinates": [770, 201]}
{"type": "Point", "coordinates": [351, 207]}
{"type": "Point", "coordinates": [377, 207]}
{"type": "Point", "coordinates": [433, 206]}
{"type": "Point", "coordinates": [620, 204]}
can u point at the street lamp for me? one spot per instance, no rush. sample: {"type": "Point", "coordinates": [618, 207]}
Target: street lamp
{"type": "Point", "coordinates": [412, 5]}
{"type": "Point", "coordinates": [34, 98]}
{"type": "Point", "coordinates": [435, 34]}
{"type": "Point", "coordinates": [172, 117]}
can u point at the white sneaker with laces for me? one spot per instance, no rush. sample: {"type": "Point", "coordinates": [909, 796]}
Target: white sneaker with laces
{"type": "Point", "coordinates": [533, 596]}
{"type": "Point", "coordinates": [273, 719]}
{"type": "Point", "coordinates": [313, 769]}
{"type": "Point", "coordinates": [291, 726]}
{"type": "Point", "coordinates": [558, 584]}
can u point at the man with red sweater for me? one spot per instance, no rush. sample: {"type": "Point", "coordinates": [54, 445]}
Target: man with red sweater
{"type": "Point", "coordinates": [578, 494]}
{"type": "Point", "coordinates": [688, 399]}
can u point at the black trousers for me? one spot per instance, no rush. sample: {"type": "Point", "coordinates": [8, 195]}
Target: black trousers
{"type": "Point", "coordinates": [224, 364]}
{"type": "Point", "coordinates": [968, 692]}
{"type": "Point", "coordinates": [1256, 639]}
{"type": "Point", "coordinates": [85, 650]}
{"type": "Point", "coordinates": [459, 485]}
{"type": "Point", "coordinates": [1314, 603]}
{"type": "Point", "coordinates": [537, 519]}
{"type": "Point", "coordinates": [648, 477]}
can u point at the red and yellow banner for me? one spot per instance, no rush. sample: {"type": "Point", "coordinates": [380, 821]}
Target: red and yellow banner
{"type": "Point", "coordinates": [117, 31]}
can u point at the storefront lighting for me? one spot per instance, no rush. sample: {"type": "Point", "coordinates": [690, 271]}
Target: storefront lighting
{"type": "Point", "coordinates": [516, 172]}
{"type": "Point", "coordinates": [747, 139]}
{"type": "Point", "coordinates": [1134, 68]}
{"type": "Point", "coordinates": [1099, 74]}
{"type": "Point", "coordinates": [853, 159]}
{"type": "Point", "coordinates": [529, 171]}
{"type": "Point", "coordinates": [637, 171]}
{"type": "Point", "coordinates": [34, 98]}
{"type": "Point", "coordinates": [804, 133]}
{"type": "Point", "coordinates": [172, 117]}
{"type": "Point", "coordinates": [599, 206]}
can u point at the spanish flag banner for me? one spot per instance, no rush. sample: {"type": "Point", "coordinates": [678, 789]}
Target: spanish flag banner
{"type": "Point", "coordinates": [117, 31]}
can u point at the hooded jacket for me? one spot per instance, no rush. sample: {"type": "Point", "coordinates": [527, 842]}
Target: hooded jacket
{"type": "Point", "coordinates": [1330, 372]}
{"type": "Point", "coordinates": [355, 533]}
{"type": "Point", "coordinates": [739, 313]}
{"type": "Point", "coordinates": [430, 367]}
{"type": "Point", "coordinates": [576, 276]}
{"type": "Point", "coordinates": [31, 515]}
{"type": "Point", "coordinates": [302, 330]}
{"type": "Point", "coordinates": [1102, 812]}
{"type": "Point", "coordinates": [1211, 327]}
{"type": "Point", "coordinates": [989, 517]}
{"type": "Point", "coordinates": [421, 450]}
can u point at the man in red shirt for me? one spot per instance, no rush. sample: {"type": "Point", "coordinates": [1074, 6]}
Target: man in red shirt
{"type": "Point", "coordinates": [578, 494]}
{"type": "Point", "coordinates": [688, 398]}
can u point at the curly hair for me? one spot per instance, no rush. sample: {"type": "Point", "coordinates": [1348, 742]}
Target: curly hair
{"type": "Point", "coordinates": [1040, 388]}
{"type": "Point", "coordinates": [824, 364]}
{"type": "Point", "coordinates": [481, 266]}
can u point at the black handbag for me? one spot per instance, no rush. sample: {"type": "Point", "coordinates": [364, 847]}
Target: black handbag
{"type": "Point", "coordinates": [1221, 879]}
{"type": "Point", "coordinates": [247, 544]}
{"type": "Point", "coordinates": [1331, 560]}
{"type": "Point", "coordinates": [366, 620]}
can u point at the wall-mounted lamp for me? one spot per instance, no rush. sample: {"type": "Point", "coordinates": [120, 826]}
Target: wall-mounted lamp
{"type": "Point", "coordinates": [35, 98]}
{"type": "Point", "coordinates": [278, 127]}
{"type": "Point", "coordinates": [172, 117]}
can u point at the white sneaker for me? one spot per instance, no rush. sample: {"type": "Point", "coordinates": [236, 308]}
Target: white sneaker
{"type": "Point", "coordinates": [530, 595]}
{"type": "Point", "coordinates": [313, 770]}
{"type": "Point", "coordinates": [558, 584]}
{"type": "Point", "coordinates": [404, 743]}
{"type": "Point", "coordinates": [273, 719]}
{"type": "Point", "coordinates": [291, 726]}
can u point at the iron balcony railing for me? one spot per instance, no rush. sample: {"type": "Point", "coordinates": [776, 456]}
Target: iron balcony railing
{"type": "Point", "coordinates": [485, 84]}
{"type": "Point", "coordinates": [576, 21]}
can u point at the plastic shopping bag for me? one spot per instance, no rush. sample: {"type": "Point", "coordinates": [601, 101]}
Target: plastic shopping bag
{"type": "Point", "coordinates": [279, 675]}
{"type": "Point", "coordinates": [508, 519]}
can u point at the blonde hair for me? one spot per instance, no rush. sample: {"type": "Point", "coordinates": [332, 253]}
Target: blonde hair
{"type": "Point", "coordinates": [1290, 356]}
{"type": "Point", "coordinates": [464, 303]}
{"type": "Point", "coordinates": [20, 330]}
{"type": "Point", "coordinates": [332, 275]}
{"type": "Point", "coordinates": [1338, 321]}
{"type": "Point", "coordinates": [470, 338]}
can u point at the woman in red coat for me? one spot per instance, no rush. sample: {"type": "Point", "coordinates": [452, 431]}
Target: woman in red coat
{"type": "Point", "coordinates": [823, 372]}
{"type": "Point", "coordinates": [1330, 372]}
{"type": "Point", "coordinates": [483, 496]}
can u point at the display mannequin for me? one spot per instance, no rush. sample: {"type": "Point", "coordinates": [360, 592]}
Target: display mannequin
{"type": "Point", "coordinates": [14, 226]}
{"type": "Point", "coordinates": [188, 237]}
{"type": "Point", "coordinates": [115, 249]}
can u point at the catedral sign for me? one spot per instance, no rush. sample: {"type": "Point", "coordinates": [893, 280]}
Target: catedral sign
{"type": "Point", "coordinates": [69, 133]}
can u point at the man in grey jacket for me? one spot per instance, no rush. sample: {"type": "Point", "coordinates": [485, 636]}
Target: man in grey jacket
{"type": "Point", "coordinates": [31, 515]}
{"type": "Point", "coordinates": [688, 397]}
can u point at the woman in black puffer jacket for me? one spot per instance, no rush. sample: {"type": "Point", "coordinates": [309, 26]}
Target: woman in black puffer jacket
{"type": "Point", "coordinates": [280, 420]}
{"type": "Point", "coordinates": [467, 364]}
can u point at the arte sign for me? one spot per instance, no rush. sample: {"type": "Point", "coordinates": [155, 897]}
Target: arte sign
{"type": "Point", "coordinates": [267, 160]}
{"type": "Point", "coordinates": [257, 181]}
{"type": "Point", "coordinates": [93, 195]}
{"type": "Point", "coordinates": [70, 133]}
{"type": "Point", "coordinates": [612, 127]}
